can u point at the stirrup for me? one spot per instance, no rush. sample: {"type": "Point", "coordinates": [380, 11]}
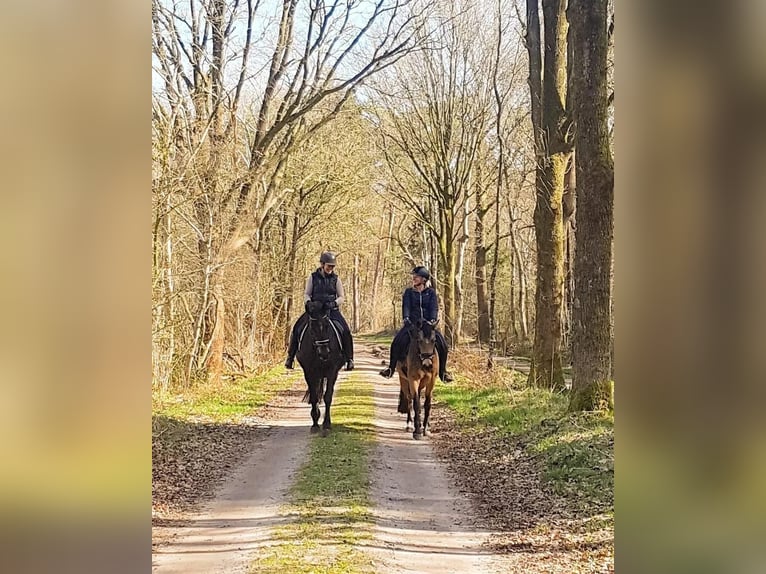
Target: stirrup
{"type": "Point", "coordinates": [289, 363]}
{"type": "Point", "coordinates": [350, 365]}
{"type": "Point", "coordinates": [388, 372]}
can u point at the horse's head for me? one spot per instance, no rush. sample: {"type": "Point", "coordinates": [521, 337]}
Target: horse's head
{"type": "Point", "coordinates": [319, 327]}
{"type": "Point", "coordinates": [316, 309]}
{"type": "Point", "coordinates": [424, 338]}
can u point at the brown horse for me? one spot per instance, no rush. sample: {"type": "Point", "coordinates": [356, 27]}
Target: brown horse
{"type": "Point", "coordinates": [417, 375]}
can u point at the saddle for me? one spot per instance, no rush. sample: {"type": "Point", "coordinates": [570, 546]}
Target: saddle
{"type": "Point", "coordinates": [337, 326]}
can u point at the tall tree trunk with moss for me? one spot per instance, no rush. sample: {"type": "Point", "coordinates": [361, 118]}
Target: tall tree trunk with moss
{"type": "Point", "coordinates": [552, 150]}
{"type": "Point", "coordinates": [591, 383]}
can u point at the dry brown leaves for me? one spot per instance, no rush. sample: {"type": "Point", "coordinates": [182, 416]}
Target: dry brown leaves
{"type": "Point", "coordinates": [190, 459]}
{"type": "Point", "coordinates": [537, 527]}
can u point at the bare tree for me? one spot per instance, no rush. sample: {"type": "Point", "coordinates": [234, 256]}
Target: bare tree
{"type": "Point", "coordinates": [591, 349]}
{"type": "Point", "coordinates": [431, 129]}
{"type": "Point", "coordinates": [553, 145]}
{"type": "Point", "coordinates": [231, 166]}
{"type": "Point", "coordinates": [511, 113]}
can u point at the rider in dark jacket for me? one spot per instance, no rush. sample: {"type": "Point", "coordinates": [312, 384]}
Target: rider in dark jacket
{"type": "Point", "coordinates": [325, 286]}
{"type": "Point", "coordinates": [419, 303]}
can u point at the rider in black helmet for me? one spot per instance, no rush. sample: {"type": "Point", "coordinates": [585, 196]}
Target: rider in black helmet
{"type": "Point", "coordinates": [419, 303]}
{"type": "Point", "coordinates": [325, 286]}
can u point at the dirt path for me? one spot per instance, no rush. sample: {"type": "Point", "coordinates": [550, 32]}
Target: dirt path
{"type": "Point", "coordinates": [224, 535]}
{"type": "Point", "coordinates": [422, 523]}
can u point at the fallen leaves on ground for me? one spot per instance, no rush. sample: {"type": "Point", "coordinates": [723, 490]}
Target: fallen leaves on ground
{"type": "Point", "coordinates": [539, 529]}
{"type": "Point", "coordinates": [190, 458]}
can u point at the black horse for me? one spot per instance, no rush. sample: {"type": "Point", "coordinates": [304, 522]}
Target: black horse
{"type": "Point", "coordinates": [321, 357]}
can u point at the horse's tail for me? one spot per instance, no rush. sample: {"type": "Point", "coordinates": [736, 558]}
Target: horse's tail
{"type": "Point", "coordinates": [404, 406]}
{"type": "Point", "coordinates": [320, 391]}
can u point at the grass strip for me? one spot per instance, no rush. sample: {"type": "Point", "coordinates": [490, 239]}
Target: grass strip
{"type": "Point", "coordinates": [226, 403]}
{"type": "Point", "coordinates": [329, 502]}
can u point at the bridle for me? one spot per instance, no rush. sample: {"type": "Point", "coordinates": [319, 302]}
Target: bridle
{"type": "Point", "coordinates": [422, 356]}
{"type": "Point", "coordinates": [321, 342]}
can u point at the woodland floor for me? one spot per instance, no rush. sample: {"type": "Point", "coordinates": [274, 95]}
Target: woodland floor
{"type": "Point", "coordinates": [469, 497]}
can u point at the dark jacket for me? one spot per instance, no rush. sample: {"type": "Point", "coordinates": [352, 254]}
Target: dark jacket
{"type": "Point", "coordinates": [422, 305]}
{"type": "Point", "coordinates": [324, 287]}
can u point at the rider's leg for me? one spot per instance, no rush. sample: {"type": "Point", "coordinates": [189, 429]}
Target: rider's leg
{"type": "Point", "coordinates": [293, 349]}
{"type": "Point", "coordinates": [441, 349]}
{"type": "Point", "coordinates": [346, 339]}
{"type": "Point", "coordinates": [398, 351]}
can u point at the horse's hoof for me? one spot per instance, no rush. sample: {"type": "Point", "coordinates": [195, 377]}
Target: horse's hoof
{"type": "Point", "coordinates": [417, 436]}
{"type": "Point", "coordinates": [325, 432]}
{"type": "Point", "coordinates": [315, 429]}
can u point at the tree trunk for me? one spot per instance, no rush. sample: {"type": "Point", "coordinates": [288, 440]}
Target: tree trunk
{"type": "Point", "coordinates": [434, 245]}
{"type": "Point", "coordinates": [355, 284]}
{"type": "Point", "coordinates": [214, 363]}
{"type": "Point", "coordinates": [591, 384]}
{"type": "Point", "coordinates": [552, 153]}
{"type": "Point", "coordinates": [459, 268]}
{"type": "Point", "coordinates": [523, 320]}
{"type": "Point", "coordinates": [376, 273]}
{"type": "Point", "coordinates": [524, 303]}
{"type": "Point", "coordinates": [163, 331]}
{"type": "Point", "coordinates": [448, 263]}
{"type": "Point", "coordinates": [482, 305]}
{"type": "Point", "coordinates": [492, 334]}
{"type": "Point", "coordinates": [546, 369]}
{"type": "Point", "coordinates": [170, 294]}
{"type": "Point", "coordinates": [513, 301]}
{"type": "Point", "coordinates": [515, 269]}
{"type": "Point", "coordinates": [569, 249]}
{"type": "Point", "coordinates": [292, 255]}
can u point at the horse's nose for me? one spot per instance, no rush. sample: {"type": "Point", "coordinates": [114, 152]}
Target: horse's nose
{"type": "Point", "coordinates": [428, 364]}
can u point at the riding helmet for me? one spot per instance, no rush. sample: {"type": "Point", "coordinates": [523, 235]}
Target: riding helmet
{"type": "Point", "coordinates": [328, 257]}
{"type": "Point", "coordinates": [421, 272]}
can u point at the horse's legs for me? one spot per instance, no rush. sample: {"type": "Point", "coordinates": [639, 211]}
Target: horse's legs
{"type": "Point", "coordinates": [426, 410]}
{"type": "Point", "coordinates": [404, 399]}
{"type": "Point", "coordinates": [314, 415]}
{"type": "Point", "coordinates": [405, 406]}
{"type": "Point", "coordinates": [418, 433]}
{"type": "Point", "coordinates": [328, 391]}
{"type": "Point", "coordinates": [313, 400]}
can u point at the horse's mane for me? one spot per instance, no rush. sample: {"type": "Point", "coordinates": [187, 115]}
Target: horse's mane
{"type": "Point", "coordinates": [316, 309]}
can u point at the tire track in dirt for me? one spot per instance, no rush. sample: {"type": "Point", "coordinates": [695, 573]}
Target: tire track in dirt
{"type": "Point", "coordinates": [422, 523]}
{"type": "Point", "coordinates": [225, 534]}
